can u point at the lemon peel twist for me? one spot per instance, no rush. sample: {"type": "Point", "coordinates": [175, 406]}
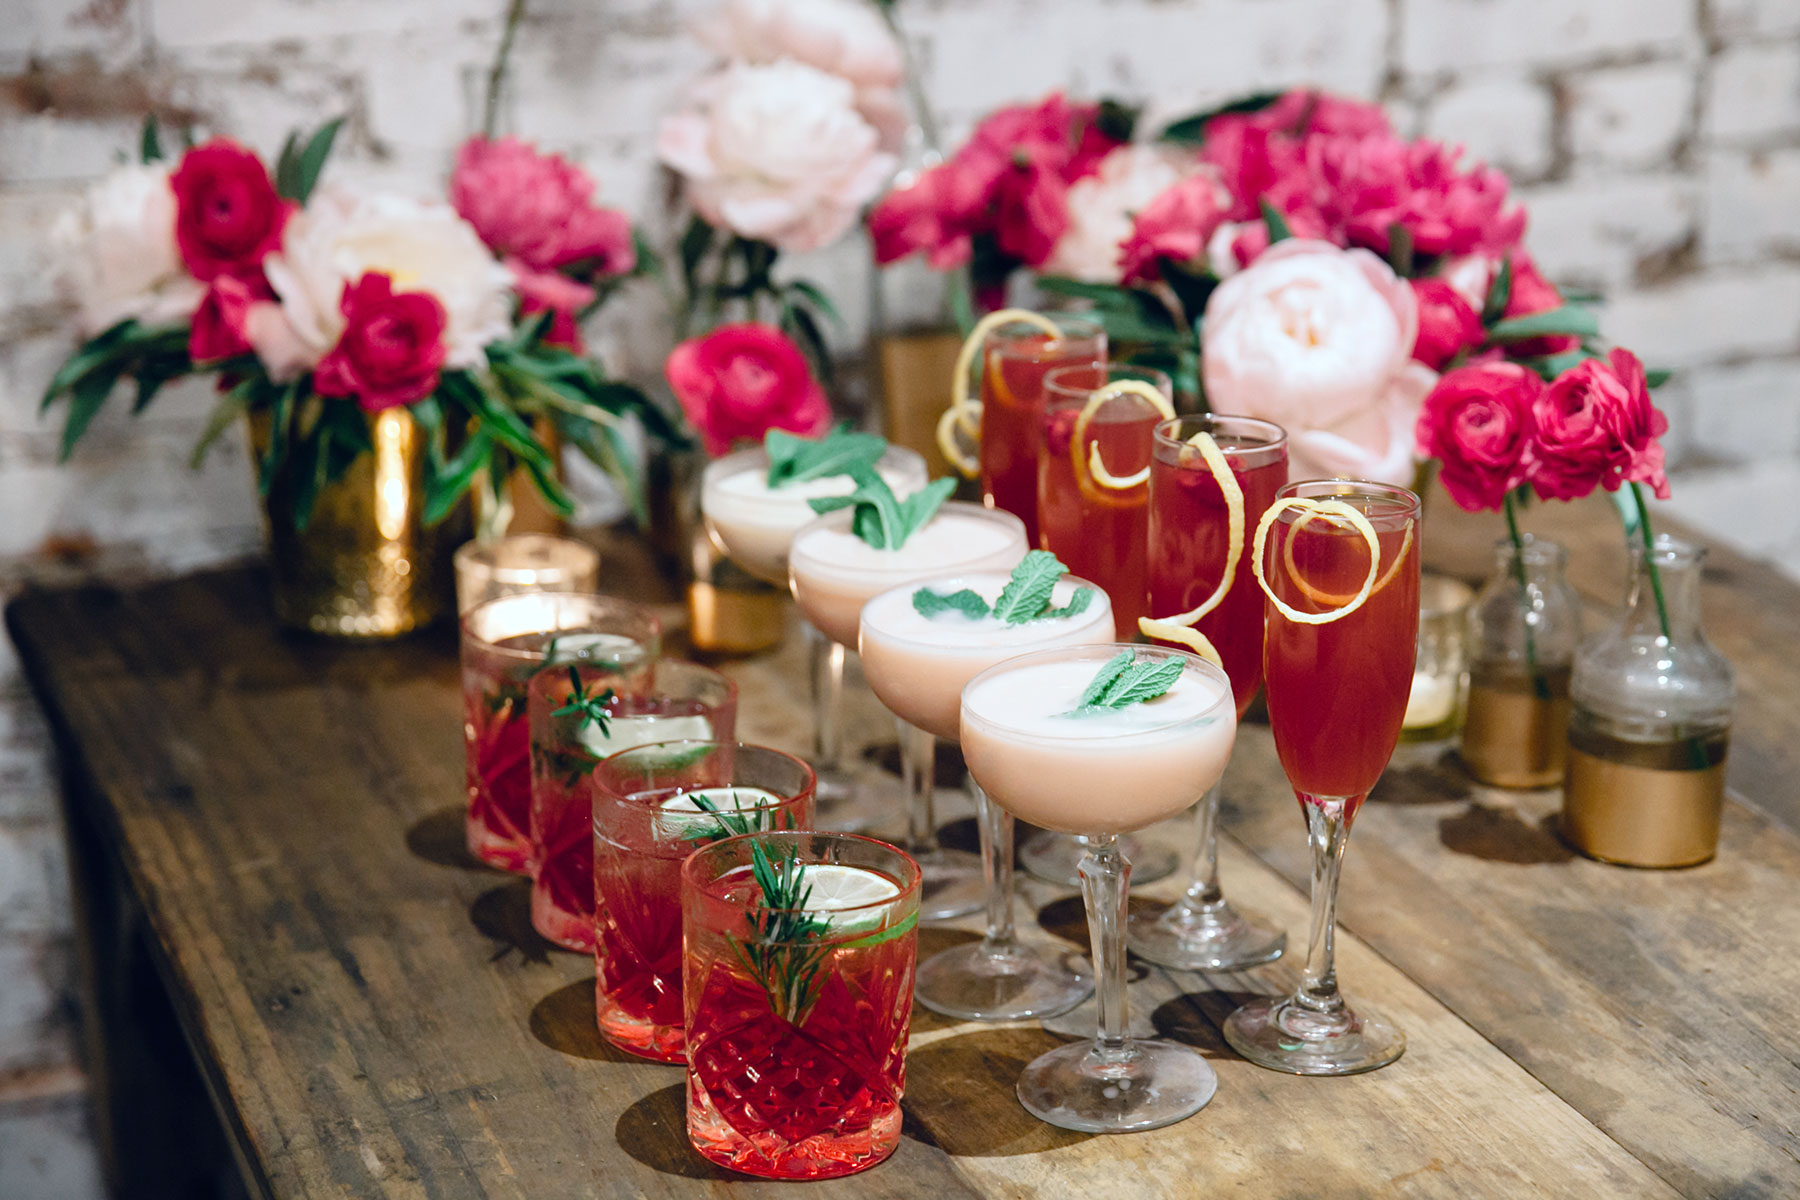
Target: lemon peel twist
{"type": "Point", "coordinates": [1335, 510]}
{"type": "Point", "coordinates": [1319, 596]}
{"type": "Point", "coordinates": [1091, 462]}
{"type": "Point", "coordinates": [1179, 628]}
{"type": "Point", "coordinates": [964, 413]}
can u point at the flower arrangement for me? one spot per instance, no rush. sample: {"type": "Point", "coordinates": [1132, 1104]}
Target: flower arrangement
{"type": "Point", "coordinates": [318, 306]}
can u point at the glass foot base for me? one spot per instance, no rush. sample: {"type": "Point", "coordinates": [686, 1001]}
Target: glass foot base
{"type": "Point", "coordinates": [1216, 937]}
{"type": "Point", "coordinates": [1054, 858]}
{"type": "Point", "coordinates": [843, 803]}
{"type": "Point", "coordinates": [1155, 1084]}
{"type": "Point", "coordinates": [1277, 1033]}
{"type": "Point", "coordinates": [979, 983]}
{"type": "Point", "coordinates": [954, 885]}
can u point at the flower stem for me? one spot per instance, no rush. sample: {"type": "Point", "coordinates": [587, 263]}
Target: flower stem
{"type": "Point", "coordinates": [1656, 587]}
{"type": "Point", "coordinates": [490, 116]}
{"type": "Point", "coordinates": [1539, 684]}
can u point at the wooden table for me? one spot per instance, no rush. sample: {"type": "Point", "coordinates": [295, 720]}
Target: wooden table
{"type": "Point", "coordinates": [267, 833]}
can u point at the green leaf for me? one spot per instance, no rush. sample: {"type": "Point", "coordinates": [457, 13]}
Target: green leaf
{"type": "Point", "coordinates": [1657, 377]}
{"type": "Point", "coordinates": [1104, 679]}
{"type": "Point", "coordinates": [275, 453]}
{"type": "Point", "coordinates": [1078, 604]}
{"type": "Point", "coordinates": [797, 460]}
{"type": "Point", "coordinates": [1027, 594]}
{"type": "Point", "coordinates": [287, 166]}
{"type": "Point", "coordinates": [1191, 130]}
{"type": "Point", "coordinates": [110, 343]}
{"type": "Point", "coordinates": [695, 242]}
{"type": "Point", "coordinates": [1117, 120]}
{"type": "Point", "coordinates": [150, 141]}
{"type": "Point", "coordinates": [1141, 681]}
{"type": "Point", "coordinates": [231, 405]}
{"type": "Point", "coordinates": [879, 517]}
{"type": "Point", "coordinates": [86, 399]}
{"type": "Point", "coordinates": [1192, 288]}
{"type": "Point", "coordinates": [312, 160]}
{"type": "Point", "coordinates": [966, 601]}
{"type": "Point", "coordinates": [1276, 223]}
{"type": "Point", "coordinates": [922, 505]}
{"type": "Point", "coordinates": [815, 297]}
{"type": "Point", "coordinates": [1400, 250]}
{"type": "Point", "coordinates": [1499, 293]}
{"type": "Point", "coordinates": [1569, 319]}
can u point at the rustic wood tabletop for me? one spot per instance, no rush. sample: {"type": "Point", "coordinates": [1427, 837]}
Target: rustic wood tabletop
{"type": "Point", "coordinates": [274, 824]}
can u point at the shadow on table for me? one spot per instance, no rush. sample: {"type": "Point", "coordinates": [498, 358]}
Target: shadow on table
{"type": "Point", "coordinates": [503, 914]}
{"type": "Point", "coordinates": [960, 1095]}
{"type": "Point", "coordinates": [1502, 835]}
{"type": "Point", "coordinates": [564, 1021]}
{"type": "Point", "coordinates": [1422, 775]}
{"type": "Point", "coordinates": [654, 1131]}
{"type": "Point", "coordinates": [1189, 1019]}
{"type": "Point", "coordinates": [442, 839]}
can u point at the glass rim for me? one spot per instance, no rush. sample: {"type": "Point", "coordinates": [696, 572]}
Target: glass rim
{"type": "Point", "coordinates": [1276, 437]}
{"type": "Point", "coordinates": [465, 623]}
{"type": "Point", "coordinates": [1669, 550]}
{"type": "Point", "coordinates": [1403, 503]}
{"type": "Point", "coordinates": [1101, 651]}
{"type": "Point", "coordinates": [1083, 620]}
{"type": "Point", "coordinates": [843, 516]}
{"type": "Point", "coordinates": [476, 551]}
{"type": "Point", "coordinates": [1058, 393]}
{"type": "Point", "coordinates": [1074, 327]}
{"type": "Point", "coordinates": [809, 777]}
{"type": "Point", "coordinates": [738, 462]}
{"type": "Point", "coordinates": [911, 886]}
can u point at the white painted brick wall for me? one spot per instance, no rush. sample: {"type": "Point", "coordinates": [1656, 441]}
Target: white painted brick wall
{"type": "Point", "coordinates": [1657, 143]}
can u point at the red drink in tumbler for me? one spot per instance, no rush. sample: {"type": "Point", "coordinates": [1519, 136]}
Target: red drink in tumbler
{"type": "Point", "coordinates": [797, 1021]}
{"type": "Point", "coordinates": [1337, 692]}
{"type": "Point", "coordinates": [1190, 532]}
{"type": "Point", "coordinates": [646, 823]}
{"type": "Point", "coordinates": [1013, 366]}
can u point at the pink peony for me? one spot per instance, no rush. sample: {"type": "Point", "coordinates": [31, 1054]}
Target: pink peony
{"type": "Point", "coordinates": [1262, 154]}
{"type": "Point", "coordinates": [740, 381]}
{"type": "Point", "coordinates": [1319, 340]}
{"type": "Point", "coordinates": [1366, 185]}
{"type": "Point", "coordinates": [1447, 325]}
{"type": "Point", "coordinates": [547, 290]}
{"type": "Point", "coordinates": [1477, 422]}
{"type": "Point", "coordinates": [1101, 208]}
{"type": "Point", "coordinates": [538, 209]}
{"type": "Point", "coordinates": [1177, 225]}
{"type": "Point", "coordinates": [1597, 427]}
{"type": "Point", "coordinates": [841, 37]}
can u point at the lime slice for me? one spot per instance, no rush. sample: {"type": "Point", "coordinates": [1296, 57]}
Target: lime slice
{"type": "Point", "coordinates": [681, 814]}
{"type": "Point", "coordinates": [836, 888]}
{"type": "Point", "coordinates": [623, 733]}
{"type": "Point", "coordinates": [591, 647]}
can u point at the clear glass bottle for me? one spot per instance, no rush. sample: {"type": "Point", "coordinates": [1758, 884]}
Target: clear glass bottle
{"type": "Point", "coordinates": [1650, 725]}
{"type": "Point", "coordinates": [1523, 630]}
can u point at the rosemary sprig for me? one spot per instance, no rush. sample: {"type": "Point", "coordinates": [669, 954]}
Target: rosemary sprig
{"type": "Point", "coordinates": [589, 706]}
{"type": "Point", "coordinates": [726, 822]}
{"type": "Point", "coordinates": [783, 953]}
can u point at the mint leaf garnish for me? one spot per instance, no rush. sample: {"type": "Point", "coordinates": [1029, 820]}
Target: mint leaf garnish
{"type": "Point", "coordinates": [1078, 604]}
{"type": "Point", "coordinates": [1127, 680]}
{"type": "Point", "coordinates": [840, 452]}
{"type": "Point", "coordinates": [882, 519]}
{"type": "Point", "coordinates": [1027, 593]}
{"type": "Point", "coordinates": [964, 600]}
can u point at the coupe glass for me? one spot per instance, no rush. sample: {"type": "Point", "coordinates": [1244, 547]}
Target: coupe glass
{"type": "Point", "coordinates": [678, 701]}
{"type": "Point", "coordinates": [918, 666]}
{"type": "Point", "coordinates": [505, 643]}
{"type": "Point", "coordinates": [1103, 773]}
{"type": "Point", "coordinates": [833, 574]}
{"type": "Point", "coordinates": [1189, 541]}
{"type": "Point", "coordinates": [1337, 694]}
{"type": "Point", "coordinates": [752, 524]}
{"type": "Point", "coordinates": [646, 824]}
{"type": "Point", "coordinates": [1014, 361]}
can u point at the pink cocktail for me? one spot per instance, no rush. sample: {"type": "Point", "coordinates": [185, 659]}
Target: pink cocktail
{"type": "Point", "coordinates": [1013, 366]}
{"type": "Point", "coordinates": [653, 805]}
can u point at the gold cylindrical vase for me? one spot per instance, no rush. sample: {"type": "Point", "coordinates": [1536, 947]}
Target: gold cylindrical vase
{"type": "Point", "coordinates": [366, 566]}
{"type": "Point", "coordinates": [916, 370]}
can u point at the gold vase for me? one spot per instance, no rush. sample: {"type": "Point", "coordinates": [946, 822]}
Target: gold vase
{"type": "Point", "coordinates": [916, 369]}
{"type": "Point", "coordinates": [366, 567]}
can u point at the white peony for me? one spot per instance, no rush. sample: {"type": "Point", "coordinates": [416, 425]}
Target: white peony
{"type": "Point", "coordinates": [776, 152]}
{"type": "Point", "coordinates": [845, 38]}
{"type": "Point", "coordinates": [118, 253]}
{"type": "Point", "coordinates": [1102, 205]}
{"type": "Point", "coordinates": [422, 245]}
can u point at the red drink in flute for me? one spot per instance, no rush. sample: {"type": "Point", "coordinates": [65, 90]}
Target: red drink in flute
{"type": "Point", "coordinates": [798, 1010]}
{"type": "Point", "coordinates": [653, 805]}
{"type": "Point", "coordinates": [1102, 533]}
{"type": "Point", "coordinates": [577, 721]}
{"type": "Point", "coordinates": [505, 643]}
{"type": "Point", "coordinates": [1013, 366]}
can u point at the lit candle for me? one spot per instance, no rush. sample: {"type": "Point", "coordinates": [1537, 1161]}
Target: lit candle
{"type": "Point", "coordinates": [530, 562]}
{"type": "Point", "coordinates": [1434, 708]}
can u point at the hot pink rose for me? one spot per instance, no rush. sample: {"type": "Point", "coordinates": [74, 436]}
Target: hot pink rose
{"type": "Point", "coordinates": [538, 209]}
{"type": "Point", "coordinates": [221, 326]}
{"type": "Point", "coordinates": [1319, 340]}
{"type": "Point", "coordinates": [1596, 427]}
{"type": "Point", "coordinates": [740, 381]}
{"type": "Point", "coordinates": [1176, 225]}
{"type": "Point", "coordinates": [1477, 422]}
{"type": "Point", "coordinates": [1366, 185]}
{"type": "Point", "coordinates": [228, 216]}
{"type": "Point", "coordinates": [1447, 325]}
{"type": "Point", "coordinates": [392, 347]}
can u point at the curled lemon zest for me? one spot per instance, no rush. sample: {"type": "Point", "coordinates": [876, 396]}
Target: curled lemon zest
{"type": "Point", "coordinates": [1234, 547]}
{"type": "Point", "coordinates": [1090, 460]}
{"type": "Point", "coordinates": [1170, 631]}
{"type": "Point", "coordinates": [1333, 510]}
{"type": "Point", "coordinates": [1318, 596]}
{"type": "Point", "coordinates": [964, 412]}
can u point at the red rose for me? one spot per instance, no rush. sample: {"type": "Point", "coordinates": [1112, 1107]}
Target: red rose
{"type": "Point", "coordinates": [740, 381]}
{"type": "Point", "coordinates": [1477, 423]}
{"type": "Point", "coordinates": [1532, 293]}
{"type": "Point", "coordinates": [391, 349]}
{"type": "Point", "coordinates": [1176, 225]}
{"type": "Point", "coordinates": [1596, 427]}
{"type": "Point", "coordinates": [221, 326]}
{"type": "Point", "coordinates": [227, 215]}
{"type": "Point", "coordinates": [1447, 325]}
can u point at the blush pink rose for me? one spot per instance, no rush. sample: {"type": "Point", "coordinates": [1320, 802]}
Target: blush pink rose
{"type": "Point", "coordinates": [1477, 422]}
{"type": "Point", "coordinates": [538, 209]}
{"type": "Point", "coordinates": [1177, 225]}
{"type": "Point", "coordinates": [1366, 185]}
{"type": "Point", "coordinates": [1319, 340]}
{"type": "Point", "coordinates": [1447, 325]}
{"type": "Point", "coordinates": [1597, 427]}
{"type": "Point", "coordinates": [740, 381]}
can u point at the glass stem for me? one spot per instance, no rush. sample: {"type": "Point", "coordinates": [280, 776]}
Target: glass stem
{"type": "Point", "coordinates": [918, 777]}
{"type": "Point", "coordinates": [1104, 876]}
{"type": "Point", "coordinates": [997, 866]}
{"type": "Point", "coordinates": [828, 700]}
{"type": "Point", "coordinates": [1327, 831]}
{"type": "Point", "coordinates": [1203, 887]}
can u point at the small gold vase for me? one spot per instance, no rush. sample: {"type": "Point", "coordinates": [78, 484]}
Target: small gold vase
{"type": "Point", "coordinates": [366, 567]}
{"type": "Point", "coordinates": [916, 370]}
